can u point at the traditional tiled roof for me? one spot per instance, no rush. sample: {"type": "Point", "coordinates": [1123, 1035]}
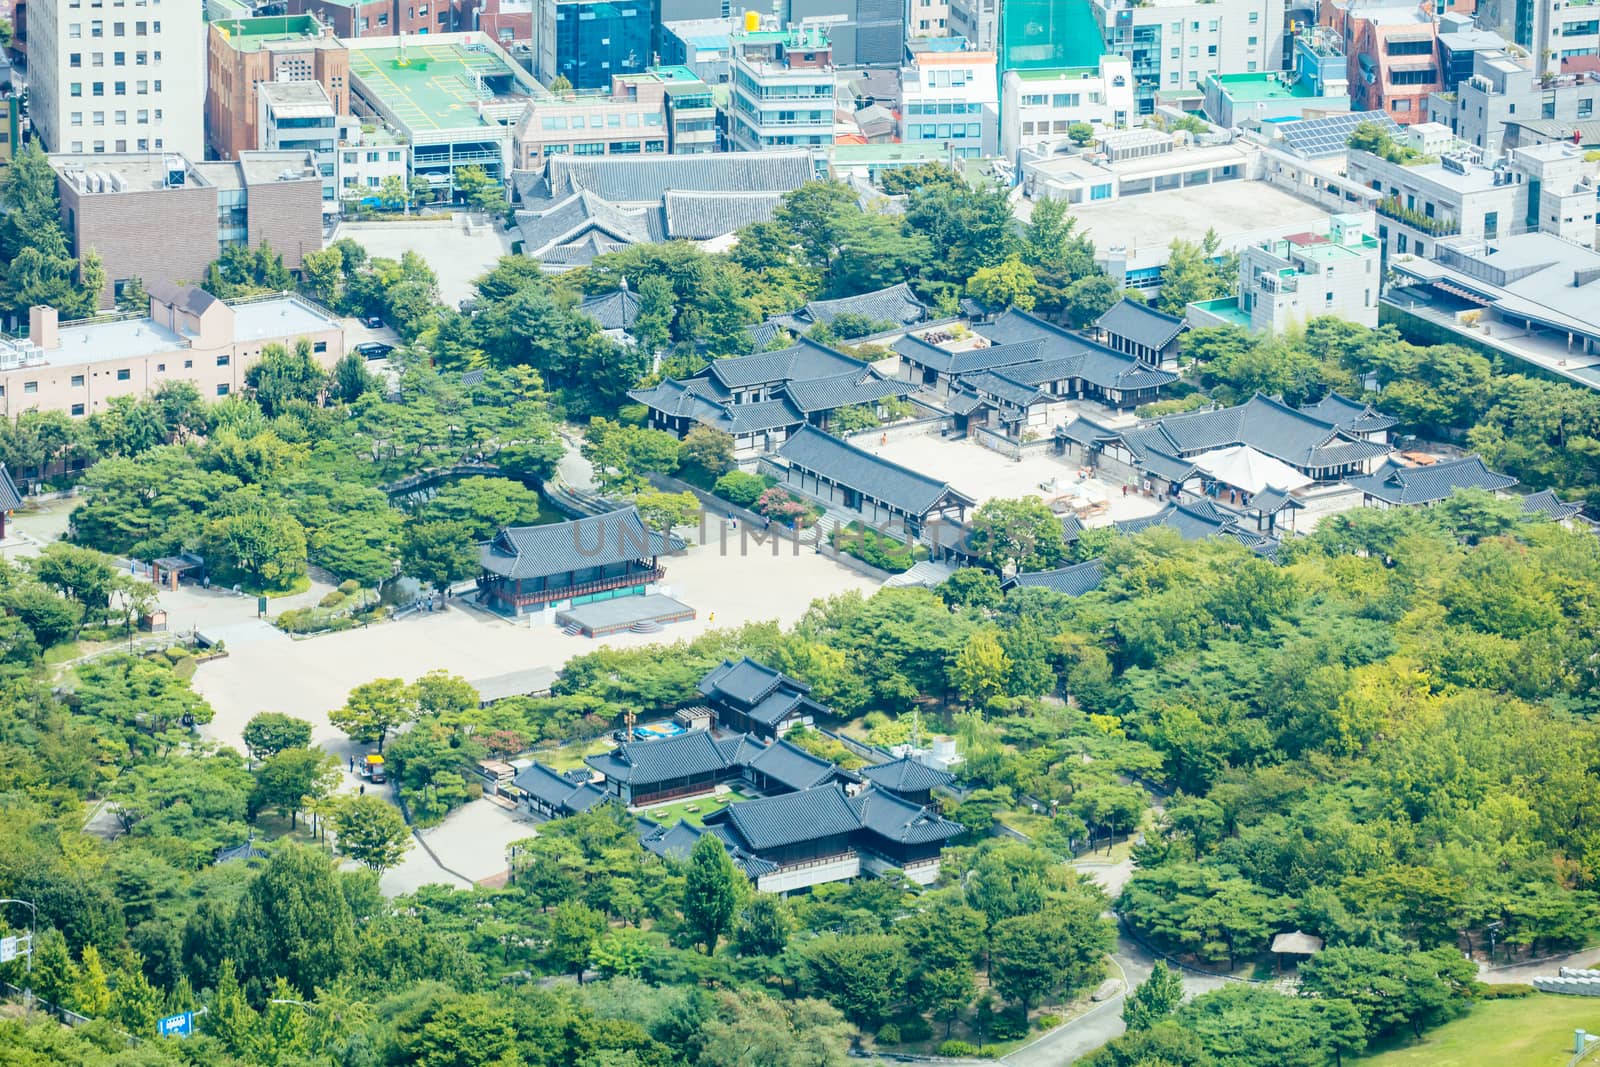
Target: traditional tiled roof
{"type": "Point", "coordinates": [1071, 527]}
{"type": "Point", "coordinates": [10, 495]}
{"type": "Point", "coordinates": [1141, 324]}
{"type": "Point", "coordinates": [699, 216]}
{"type": "Point", "coordinates": [539, 551]}
{"type": "Point", "coordinates": [578, 219]}
{"type": "Point", "coordinates": [1351, 416]}
{"type": "Point", "coordinates": [556, 790]}
{"type": "Point", "coordinates": [1098, 365]}
{"type": "Point", "coordinates": [616, 310]}
{"type": "Point", "coordinates": [644, 179]}
{"type": "Point", "coordinates": [1076, 580]}
{"type": "Point", "coordinates": [900, 487]}
{"type": "Point", "coordinates": [844, 390]}
{"type": "Point", "coordinates": [1396, 484]}
{"type": "Point", "coordinates": [682, 399]}
{"type": "Point", "coordinates": [906, 775]}
{"type": "Point", "coordinates": [896, 304]}
{"type": "Point", "coordinates": [641, 763]}
{"type": "Point", "coordinates": [758, 418]}
{"type": "Point", "coordinates": [1272, 500]}
{"type": "Point", "coordinates": [746, 682]}
{"type": "Point", "coordinates": [803, 359]}
{"type": "Point", "coordinates": [1544, 503]}
{"type": "Point", "coordinates": [761, 335]}
{"type": "Point", "coordinates": [1085, 431]}
{"type": "Point", "coordinates": [916, 350]}
{"type": "Point", "coordinates": [894, 818]}
{"type": "Point", "coordinates": [792, 766]}
{"type": "Point", "coordinates": [1003, 388]}
{"type": "Point", "coordinates": [677, 842]}
{"type": "Point", "coordinates": [1198, 520]}
{"type": "Point", "coordinates": [1302, 440]}
{"type": "Point", "coordinates": [774, 822]}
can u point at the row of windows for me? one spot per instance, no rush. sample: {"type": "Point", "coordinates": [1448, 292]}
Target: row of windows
{"type": "Point", "coordinates": [143, 143]}
{"type": "Point", "coordinates": [117, 88]}
{"type": "Point", "coordinates": [373, 157]}
{"type": "Point", "coordinates": [1058, 100]}
{"type": "Point", "coordinates": [118, 59]}
{"type": "Point", "coordinates": [97, 28]}
{"type": "Point", "coordinates": [598, 148]}
{"type": "Point", "coordinates": [944, 109]}
{"type": "Point", "coordinates": [98, 4]}
{"type": "Point", "coordinates": [599, 122]}
{"type": "Point", "coordinates": [119, 118]}
{"type": "Point", "coordinates": [944, 131]}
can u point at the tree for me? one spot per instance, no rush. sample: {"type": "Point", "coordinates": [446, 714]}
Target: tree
{"type": "Point", "coordinates": [980, 670]}
{"type": "Point", "coordinates": [270, 732]}
{"type": "Point", "coordinates": [51, 619]}
{"type": "Point", "coordinates": [133, 297]}
{"type": "Point", "coordinates": [371, 832]}
{"type": "Point", "coordinates": [710, 892]}
{"type": "Point", "coordinates": [1156, 998]}
{"type": "Point", "coordinates": [91, 991]}
{"type": "Point", "coordinates": [484, 505]}
{"type": "Point", "coordinates": [575, 929]}
{"type": "Point", "coordinates": [707, 450]}
{"type": "Point", "coordinates": [479, 191]}
{"type": "Point", "coordinates": [438, 554]}
{"type": "Point", "coordinates": [294, 921]}
{"type": "Point", "coordinates": [1017, 534]}
{"type": "Point", "coordinates": [1081, 133]}
{"type": "Point", "coordinates": [249, 540]}
{"type": "Point", "coordinates": [559, 85]}
{"type": "Point", "coordinates": [972, 587]}
{"type": "Point", "coordinates": [1061, 949]}
{"type": "Point", "coordinates": [764, 926]}
{"type": "Point", "coordinates": [1007, 284]}
{"type": "Point", "coordinates": [1197, 272]}
{"type": "Point", "coordinates": [374, 709]}
{"type": "Point", "coordinates": [394, 191]}
{"type": "Point", "coordinates": [287, 779]}
{"type": "Point", "coordinates": [663, 511]}
{"type": "Point", "coordinates": [860, 974]}
{"type": "Point", "coordinates": [283, 376]}
{"type": "Point", "coordinates": [1393, 990]}
{"type": "Point", "coordinates": [1086, 299]}
{"type": "Point", "coordinates": [135, 1003]}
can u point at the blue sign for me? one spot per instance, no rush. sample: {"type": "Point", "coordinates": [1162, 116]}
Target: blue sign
{"type": "Point", "coordinates": [176, 1025]}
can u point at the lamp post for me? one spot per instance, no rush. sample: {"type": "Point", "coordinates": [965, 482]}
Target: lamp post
{"type": "Point", "coordinates": [33, 921]}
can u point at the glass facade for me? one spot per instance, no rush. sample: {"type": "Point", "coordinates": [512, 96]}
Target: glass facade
{"type": "Point", "coordinates": [595, 39]}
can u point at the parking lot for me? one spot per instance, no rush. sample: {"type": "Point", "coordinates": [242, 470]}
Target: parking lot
{"type": "Point", "coordinates": [459, 251]}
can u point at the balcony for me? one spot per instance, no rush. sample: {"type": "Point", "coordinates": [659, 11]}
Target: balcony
{"type": "Point", "coordinates": [1391, 208]}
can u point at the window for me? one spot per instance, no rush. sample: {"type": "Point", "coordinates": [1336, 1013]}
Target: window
{"type": "Point", "coordinates": [99, 88]}
{"type": "Point", "coordinates": [119, 29]}
{"type": "Point", "coordinates": [1491, 223]}
{"type": "Point", "coordinates": [140, 29]}
{"type": "Point", "coordinates": [319, 346]}
{"type": "Point", "coordinates": [124, 374]}
{"type": "Point", "coordinates": [1255, 17]}
{"type": "Point", "coordinates": [141, 58]}
{"type": "Point", "coordinates": [161, 368]}
{"type": "Point", "coordinates": [77, 381]}
{"type": "Point", "coordinates": [1250, 41]}
{"type": "Point", "coordinates": [394, 156]}
{"type": "Point", "coordinates": [75, 59]}
{"type": "Point", "coordinates": [97, 59]}
{"type": "Point", "coordinates": [222, 389]}
{"type": "Point", "coordinates": [122, 145]}
{"type": "Point", "coordinates": [1100, 192]}
{"type": "Point", "coordinates": [75, 31]}
{"type": "Point", "coordinates": [30, 387]}
{"type": "Point", "coordinates": [97, 28]}
{"type": "Point", "coordinates": [77, 89]}
{"type": "Point", "coordinates": [77, 409]}
{"type": "Point", "coordinates": [1194, 51]}
{"type": "Point", "coordinates": [222, 361]}
{"type": "Point", "coordinates": [77, 118]}
{"type": "Point", "coordinates": [119, 59]}
{"type": "Point", "coordinates": [188, 364]}
{"type": "Point", "coordinates": [141, 88]}
{"type": "Point", "coordinates": [99, 118]}
{"type": "Point", "coordinates": [1585, 108]}
{"type": "Point", "coordinates": [119, 88]}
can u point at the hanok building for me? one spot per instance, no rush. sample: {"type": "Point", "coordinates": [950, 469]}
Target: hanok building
{"type": "Point", "coordinates": [554, 795]}
{"type": "Point", "coordinates": [885, 309]}
{"type": "Point", "coordinates": [642, 773]}
{"type": "Point", "coordinates": [1202, 519]}
{"type": "Point", "coordinates": [1075, 580]}
{"type": "Point", "coordinates": [527, 568]}
{"type": "Point", "coordinates": [1397, 485]}
{"type": "Point", "coordinates": [882, 492]}
{"type": "Point", "coordinates": [827, 835]}
{"type": "Point", "coordinates": [762, 399]}
{"type": "Point", "coordinates": [1139, 330]}
{"type": "Point", "coordinates": [907, 778]}
{"type": "Point", "coordinates": [749, 696]}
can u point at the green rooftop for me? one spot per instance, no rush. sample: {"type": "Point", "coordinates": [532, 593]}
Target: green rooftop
{"type": "Point", "coordinates": [1255, 88]}
{"type": "Point", "coordinates": [434, 88]}
{"type": "Point", "coordinates": [1226, 308]}
{"type": "Point", "coordinates": [248, 35]}
{"type": "Point", "coordinates": [1049, 35]}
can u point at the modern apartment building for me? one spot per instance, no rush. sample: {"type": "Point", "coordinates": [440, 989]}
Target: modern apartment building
{"type": "Point", "coordinates": [1334, 269]}
{"type": "Point", "coordinates": [1038, 107]}
{"type": "Point", "coordinates": [1176, 44]}
{"type": "Point", "coordinates": [114, 76]}
{"type": "Point", "coordinates": [783, 89]}
{"type": "Point", "coordinates": [77, 368]}
{"type": "Point", "coordinates": [589, 41]}
{"type": "Point", "coordinates": [1392, 52]}
{"type": "Point", "coordinates": [298, 117]}
{"type": "Point", "coordinates": [1504, 88]}
{"type": "Point", "coordinates": [366, 159]}
{"type": "Point", "coordinates": [243, 54]}
{"type": "Point", "coordinates": [663, 110]}
{"type": "Point", "coordinates": [927, 18]}
{"type": "Point", "coordinates": [951, 98]}
{"type": "Point", "coordinates": [166, 218]}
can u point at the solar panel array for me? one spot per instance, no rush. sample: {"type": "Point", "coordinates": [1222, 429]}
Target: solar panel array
{"type": "Point", "coordinates": [1329, 136]}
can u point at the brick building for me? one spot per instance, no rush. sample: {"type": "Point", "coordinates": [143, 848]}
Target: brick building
{"type": "Point", "coordinates": [243, 53]}
{"type": "Point", "coordinates": [379, 18]}
{"type": "Point", "coordinates": [165, 219]}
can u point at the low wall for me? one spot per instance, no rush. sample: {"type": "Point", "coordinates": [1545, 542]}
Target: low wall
{"type": "Point", "coordinates": [900, 431]}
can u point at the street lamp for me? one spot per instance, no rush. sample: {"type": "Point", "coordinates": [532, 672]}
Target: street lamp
{"type": "Point", "coordinates": [33, 921]}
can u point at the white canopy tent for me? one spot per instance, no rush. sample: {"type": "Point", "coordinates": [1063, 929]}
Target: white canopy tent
{"type": "Point", "coordinates": [1242, 467]}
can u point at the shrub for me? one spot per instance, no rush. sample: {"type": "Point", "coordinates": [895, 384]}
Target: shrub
{"type": "Point", "coordinates": [1047, 1021]}
{"type": "Point", "coordinates": [332, 600]}
{"type": "Point", "coordinates": [349, 587]}
{"type": "Point", "coordinates": [888, 1034]}
{"type": "Point", "coordinates": [880, 550]}
{"type": "Point", "coordinates": [1009, 1026]}
{"type": "Point", "coordinates": [957, 1050]}
{"type": "Point", "coordinates": [1504, 991]}
{"type": "Point", "coordinates": [780, 505]}
{"type": "Point", "coordinates": [914, 1028]}
{"type": "Point", "coordinates": [740, 488]}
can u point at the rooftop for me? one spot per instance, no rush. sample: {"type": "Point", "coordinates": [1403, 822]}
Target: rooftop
{"type": "Point", "coordinates": [1057, 73]}
{"type": "Point", "coordinates": [435, 87]}
{"type": "Point", "coordinates": [1255, 88]}
{"type": "Point", "coordinates": [251, 35]}
{"type": "Point", "coordinates": [297, 99]}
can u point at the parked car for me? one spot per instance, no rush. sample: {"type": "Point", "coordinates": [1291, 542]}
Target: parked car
{"type": "Point", "coordinates": [374, 323]}
{"type": "Point", "coordinates": [374, 349]}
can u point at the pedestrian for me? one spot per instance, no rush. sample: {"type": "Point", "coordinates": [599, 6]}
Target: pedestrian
{"type": "Point", "coordinates": [363, 789]}
{"type": "Point", "coordinates": [352, 765]}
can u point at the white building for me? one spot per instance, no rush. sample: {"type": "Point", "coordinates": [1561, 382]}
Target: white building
{"type": "Point", "coordinates": [1038, 107]}
{"type": "Point", "coordinates": [123, 76]}
{"type": "Point", "coordinates": [1332, 270]}
{"type": "Point", "coordinates": [951, 98]}
{"type": "Point", "coordinates": [1177, 44]}
{"type": "Point", "coordinates": [783, 89]}
{"type": "Point", "coordinates": [365, 160]}
{"type": "Point", "coordinates": [297, 116]}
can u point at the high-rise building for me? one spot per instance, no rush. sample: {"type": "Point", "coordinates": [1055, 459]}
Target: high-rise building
{"type": "Point", "coordinates": [783, 89]}
{"type": "Point", "coordinates": [244, 54]}
{"type": "Point", "coordinates": [589, 41]}
{"type": "Point", "coordinates": [1176, 44]}
{"type": "Point", "coordinates": [951, 99]}
{"type": "Point", "coordinates": [117, 78]}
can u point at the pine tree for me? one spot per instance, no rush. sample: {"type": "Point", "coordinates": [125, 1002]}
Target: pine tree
{"type": "Point", "coordinates": [1155, 999]}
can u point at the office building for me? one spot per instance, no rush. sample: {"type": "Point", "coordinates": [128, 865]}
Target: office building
{"type": "Point", "coordinates": [977, 21]}
{"type": "Point", "coordinates": [1038, 107]}
{"type": "Point", "coordinates": [783, 89]}
{"type": "Point", "coordinates": [379, 18]}
{"type": "Point", "coordinates": [1334, 269]}
{"type": "Point", "coordinates": [951, 98]}
{"type": "Point", "coordinates": [665, 110]}
{"type": "Point", "coordinates": [243, 54]}
{"type": "Point", "coordinates": [187, 336]}
{"type": "Point", "coordinates": [297, 117]}
{"type": "Point", "coordinates": [1175, 45]}
{"type": "Point", "coordinates": [166, 218]}
{"type": "Point", "coordinates": [1504, 88]}
{"type": "Point", "coordinates": [589, 41]}
{"type": "Point", "coordinates": [702, 45]}
{"type": "Point", "coordinates": [107, 80]}
{"type": "Point", "coordinates": [927, 18]}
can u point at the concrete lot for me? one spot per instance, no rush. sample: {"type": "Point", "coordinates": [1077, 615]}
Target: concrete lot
{"type": "Point", "coordinates": [470, 843]}
{"type": "Point", "coordinates": [459, 252]}
{"type": "Point", "coordinates": [984, 474]}
{"type": "Point", "coordinates": [1237, 210]}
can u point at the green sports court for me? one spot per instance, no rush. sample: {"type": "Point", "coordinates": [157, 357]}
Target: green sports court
{"type": "Point", "coordinates": [436, 86]}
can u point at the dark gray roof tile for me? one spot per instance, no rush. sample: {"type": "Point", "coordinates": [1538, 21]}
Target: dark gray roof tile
{"type": "Point", "coordinates": [1076, 580]}
{"type": "Point", "coordinates": [539, 551]}
{"type": "Point", "coordinates": [900, 487]}
{"type": "Point", "coordinates": [1141, 324]}
{"type": "Point", "coordinates": [906, 775]}
{"type": "Point", "coordinates": [1397, 484]}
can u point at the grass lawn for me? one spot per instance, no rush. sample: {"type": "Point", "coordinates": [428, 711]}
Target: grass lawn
{"type": "Point", "coordinates": [1534, 1031]}
{"type": "Point", "coordinates": [571, 757]}
{"type": "Point", "coordinates": [694, 809]}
